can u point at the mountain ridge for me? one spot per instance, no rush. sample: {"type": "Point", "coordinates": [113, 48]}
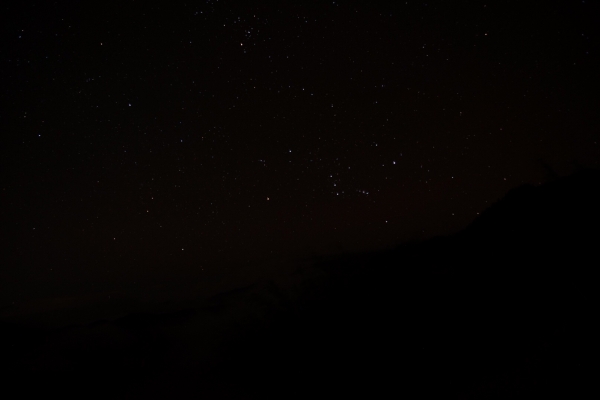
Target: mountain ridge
{"type": "Point", "coordinates": [493, 308]}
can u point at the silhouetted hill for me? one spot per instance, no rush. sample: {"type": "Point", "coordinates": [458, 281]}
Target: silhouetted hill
{"type": "Point", "coordinates": [502, 309]}
{"type": "Point", "coordinates": [564, 210]}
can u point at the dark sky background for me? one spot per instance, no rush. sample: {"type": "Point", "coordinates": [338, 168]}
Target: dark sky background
{"type": "Point", "coordinates": [152, 151]}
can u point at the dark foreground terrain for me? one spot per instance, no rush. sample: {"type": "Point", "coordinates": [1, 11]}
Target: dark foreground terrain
{"type": "Point", "coordinates": [504, 309]}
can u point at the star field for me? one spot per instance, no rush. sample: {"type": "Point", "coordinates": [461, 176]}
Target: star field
{"type": "Point", "coordinates": [145, 144]}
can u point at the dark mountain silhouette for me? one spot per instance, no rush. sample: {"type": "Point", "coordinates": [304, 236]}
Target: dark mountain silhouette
{"type": "Point", "coordinates": [503, 309]}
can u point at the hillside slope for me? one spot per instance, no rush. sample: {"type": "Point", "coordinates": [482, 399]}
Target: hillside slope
{"type": "Point", "coordinates": [501, 309]}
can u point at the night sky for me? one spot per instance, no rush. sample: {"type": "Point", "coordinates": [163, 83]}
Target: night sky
{"type": "Point", "coordinates": [154, 151]}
